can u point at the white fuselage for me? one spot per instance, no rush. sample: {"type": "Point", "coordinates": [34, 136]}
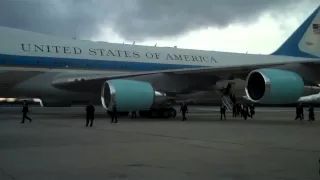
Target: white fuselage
{"type": "Point", "coordinates": [30, 61]}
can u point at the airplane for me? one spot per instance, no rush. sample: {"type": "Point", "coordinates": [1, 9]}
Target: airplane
{"type": "Point", "coordinates": [62, 71]}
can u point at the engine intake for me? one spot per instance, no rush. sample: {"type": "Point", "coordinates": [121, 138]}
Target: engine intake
{"type": "Point", "coordinates": [274, 86]}
{"type": "Point", "coordinates": [130, 95]}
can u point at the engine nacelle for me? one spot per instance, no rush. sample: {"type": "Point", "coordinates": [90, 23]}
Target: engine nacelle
{"type": "Point", "coordinates": [130, 95]}
{"type": "Point", "coordinates": [274, 86]}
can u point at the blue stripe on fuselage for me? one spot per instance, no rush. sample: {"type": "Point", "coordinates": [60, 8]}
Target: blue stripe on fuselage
{"type": "Point", "coordinates": [89, 64]}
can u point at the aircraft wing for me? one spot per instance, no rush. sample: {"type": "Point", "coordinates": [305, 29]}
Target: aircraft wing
{"type": "Point", "coordinates": [95, 81]}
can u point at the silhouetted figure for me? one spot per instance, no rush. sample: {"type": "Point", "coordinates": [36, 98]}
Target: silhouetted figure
{"type": "Point", "coordinates": [233, 98]}
{"type": "Point", "coordinates": [184, 110]}
{"type": "Point", "coordinates": [133, 114]}
{"type": "Point", "coordinates": [114, 117]}
{"type": "Point", "coordinates": [223, 109]}
{"type": "Point", "coordinates": [245, 112]}
{"type": "Point", "coordinates": [311, 113]}
{"type": "Point", "coordinates": [301, 111]}
{"type": "Point", "coordinates": [234, 110]}
{"type": "Point", "coordinates": [110, 115]}
{"type": "Point", "coordinates": [241, 110]}
{"type": "Point", "coordinates": [25, 110]}
{"type": "Point", "coordinates": [238, 109]}
{"type": "Point", "coordinates": [252, 112]}
{"type": "Point", "coordinates": [90, 114]}
{"type": "Point", "coordinates": [298, 113]}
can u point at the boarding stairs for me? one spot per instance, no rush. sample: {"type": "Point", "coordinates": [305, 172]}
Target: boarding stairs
{"type": "Point", "coordinates": [227, 102]}
{"type": "Point", "coordinates": [226, 98]}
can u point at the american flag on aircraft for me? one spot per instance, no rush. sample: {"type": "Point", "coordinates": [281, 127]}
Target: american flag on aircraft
{"type": "Point", "coordinates": [316, 29]}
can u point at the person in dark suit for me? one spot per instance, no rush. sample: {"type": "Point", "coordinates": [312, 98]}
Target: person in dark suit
{"type": "Point", "coordinates": [245, 111]}
{"type": "Point", "coordinates": [114, 116]}
{"type": "Point", "coordinates": [184, 110]}
{"type": "Point", "coordinates": [234, 110]}
{"type": "Point", "coordinates": [252, 112]}
{"type": "Point", "coordinates": [299, 112]}
{"type": "Point", "coordinates": [311, 113]}
{"type": "Point", "coordinates": [319, 166]}
{"type": "Point", "coordinates": [25, 110]}
{"type": "Point", "coordinates": [223, 109]}
{"type": "Point", "coordinates": [90, 114]}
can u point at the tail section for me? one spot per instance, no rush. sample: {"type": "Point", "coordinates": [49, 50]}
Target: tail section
{"type": "Point", "coordinates": [305, 41]}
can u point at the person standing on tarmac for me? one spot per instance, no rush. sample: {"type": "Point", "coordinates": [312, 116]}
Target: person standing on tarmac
{"type": "Point", "coordinates": [298, 114]}
{"type": "Point", "coordinates": [234, 110]}
{"type": "Point", "coordinates": [252, 112]}
{"type": "Point", "coordinates": [90, 114]}
{"type": "Point", "coordinates": [238, 109]}
{"type": "Point", "coordinates": [223, 111]}
{"type": "Point", "coordinates": [25, 110]}
{"type": "Point", "coordinates": [319, 166]}
{"type": "Point", "coordinates": [245, 111]}
{"type": "Point", "coordinates": [114, 116]}
{"type": "Point", "coordinates": [184, 110]}
{"type": "Point", "coordinates": [241, 110]}
{"type": "Point", "coordinates": [301, 110]}
{"type": "Point", "coordinates": [311, 113]}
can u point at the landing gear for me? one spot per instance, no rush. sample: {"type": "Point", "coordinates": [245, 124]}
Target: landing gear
{"type": "Point", "coordinates": [159, 113]}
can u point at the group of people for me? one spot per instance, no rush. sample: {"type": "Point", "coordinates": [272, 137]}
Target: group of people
{"type": "Point", "coordinates": [299, 112]}
{"type": "Point", "coordinates": [90, 114]}
{"type": "Point", "coordinates": [243, 110]}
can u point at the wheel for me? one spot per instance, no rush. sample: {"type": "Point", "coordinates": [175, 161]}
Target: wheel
{"type": "Point", "coordinates": [173, 113]}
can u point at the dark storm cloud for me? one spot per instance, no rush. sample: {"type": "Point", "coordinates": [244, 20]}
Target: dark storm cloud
{"type": "Point", "coordinates": [136, 19]}
{"type": "Point", "coordinates": [63, 18]}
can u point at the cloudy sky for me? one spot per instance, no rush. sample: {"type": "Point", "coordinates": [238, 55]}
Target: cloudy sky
{"type": "Point", "coordinates": [256, 26]}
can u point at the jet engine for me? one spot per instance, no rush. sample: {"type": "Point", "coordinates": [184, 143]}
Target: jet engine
{"type": "Point", "coordinates": [130, 95]}
{"type": "Point", "coordinates": [275, 86]}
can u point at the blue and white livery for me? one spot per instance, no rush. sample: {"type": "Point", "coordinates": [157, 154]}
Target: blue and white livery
{"type": "Point", "coordinates": [61, 71]}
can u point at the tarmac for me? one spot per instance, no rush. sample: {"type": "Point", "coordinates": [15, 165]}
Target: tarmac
{"type": "Point", "coordinates": [57, 145]}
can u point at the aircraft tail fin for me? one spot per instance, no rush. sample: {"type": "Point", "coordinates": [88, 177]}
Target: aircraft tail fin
{"type": "Point", "coordinates": [305, 41]}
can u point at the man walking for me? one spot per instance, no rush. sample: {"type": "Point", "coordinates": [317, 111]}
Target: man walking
{"type": "Point", "coordinates": [298, 112]}
{"type": "Point", "coordinates": [114, 116]}
{"type": "Point", "coordinates": [25, 110]}
{"type": "Point", "coordinates": [90, 114]}
{"type": "Point", "coordinates": [184, 110]}
{"type": "Point", "coordinates": [223, 111]}
{"type": "Point", "coordinates": [311, 113]}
